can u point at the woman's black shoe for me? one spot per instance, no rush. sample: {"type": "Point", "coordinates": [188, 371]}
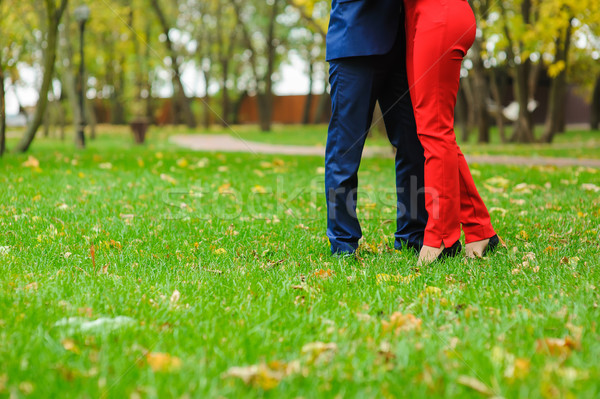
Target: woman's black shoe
{"type": "Point", "coordinates": [452, 251]}
{"type": "Point", "coordinates": [492, 245]}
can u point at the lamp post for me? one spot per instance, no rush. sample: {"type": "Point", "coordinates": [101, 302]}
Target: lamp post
{"type": "Point", "coordinates": [81, 14]}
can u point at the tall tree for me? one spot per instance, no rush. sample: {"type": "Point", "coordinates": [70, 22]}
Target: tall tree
{"type": "Point", "coordinates": [263, 51]}
{"type": "Point", "coordinates": [595, 108]}
{"type": "Point", "coordinates": [183, 102]}
{"type": "Point", "coordinates": [54, 15]}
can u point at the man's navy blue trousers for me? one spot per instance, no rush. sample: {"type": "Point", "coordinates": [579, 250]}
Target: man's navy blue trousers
{"type": "Point", "coordinates": [356, 84]}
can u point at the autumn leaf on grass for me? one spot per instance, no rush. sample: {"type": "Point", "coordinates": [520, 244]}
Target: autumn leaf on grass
{"type": "Point", "coordinates": [167, 178]}
{"type": "Point", "coordinates": [225, 188]}
{"type": "Point", "coordinates": [518, 369]}
{"type": "Point", "coordinates": [182, 163]}
{"type": "Point", "coordinates": [401, 323]}
{"type": "Point", "coordinates": [475, 384]}
{"type": "Point", "coordinates": [70, 346]}
{"type": "Point", "coordinates": [557, 346]}
{"type": "Point", "coordinates": [32, 286]}
{"type": "Point", "coordinates": [590, 187]}
{"type": "Point", "coordinates": [265, 376]}
{"type": "Point", "coordinates": [31, 162]}
{"type": "Point", "coordinates": [385, 352]}
{"type": "Point", "coordinates": [318, 352]}
{"type": "Point", "coordinates": [163, 362]}
{"type": "Point", "coordinates": [385, 278]}
{"type": "Point", "coordinates": [514, 368]}
{"type": "Point", "coordinates": [257, 189]}
{"type": "Point", "coordinates": [324, 274]}
{"type": "Point", "coordinates": [433, 294]}
{"type": "Point", "coordinates": [175, 297]}
{"type": "Point", "coordinates": [498, 181]}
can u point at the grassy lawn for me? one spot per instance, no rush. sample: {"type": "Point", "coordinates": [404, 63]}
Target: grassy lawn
{"type": "Point", "coordinates": [574, 143]}
{"type": "Point", "coordinates": [155, 272]}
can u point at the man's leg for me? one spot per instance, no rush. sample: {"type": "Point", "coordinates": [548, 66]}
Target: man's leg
{"type": "Point", "coordinates": [353, 102]}
{"type": "Point", "coordinates": [402, 131]}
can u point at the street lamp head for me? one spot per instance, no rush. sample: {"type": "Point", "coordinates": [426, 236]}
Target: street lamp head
{"type": "Point", "coordinates": [82, 13]}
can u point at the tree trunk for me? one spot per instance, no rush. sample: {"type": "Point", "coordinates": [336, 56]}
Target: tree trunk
{"type": "Point", "coordinates": [595, 111]}
{"type": "Point", "coordinates": [237, 106]}
{"type": "Point", "coordinates": [558, 88]}
{"type": "Point", "coordinates": [264, 112]}
{"type": "Point", "coordinates": [183, 102]}
{"type": "Point", "coordinates": [480, 94]}
{"type": "Point", "coordinates": [206, 100]}
{"type": "Point", "coordinates": [46, 130]}
{"type": "Point", "coordinates": [54, 16]}
{"type": "Point", "coordinates": [467, 89]}
{"type": "Point", "coordinates": [266, 115]}
{"type": "Point", "coordinates": [461, 113]}
{"type": "Point", "coordinates": [522, 80]}
{"type": "Point", "coordinates": [2, 113]}
{"type": "Point", "coordinates": [67, 76]}
{"type": "Point", "coordinates": [324, 105]}
{"type": "Point", "coordinates": [309, 95]}
{"type": "Point", "coordinates": [225, 100]}
{"type": "Point", "coordinates": [90, 113]}
{"type": "Point", "coordinates": [495, 91]}
{"type": "Point", "coordinates": [523, 132]}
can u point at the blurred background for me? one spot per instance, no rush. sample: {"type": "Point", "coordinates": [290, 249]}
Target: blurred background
{"type": "Point", "coordinates": [70, 66]}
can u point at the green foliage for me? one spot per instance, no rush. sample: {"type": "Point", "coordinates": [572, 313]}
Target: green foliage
{"type": "Point", "coordinates": [205, 294]}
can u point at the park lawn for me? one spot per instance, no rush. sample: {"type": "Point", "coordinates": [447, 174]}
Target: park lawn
{"type": "Point", "coordinates": [575, 143]}
{"type": "Point", "coordinates": [221, 261]}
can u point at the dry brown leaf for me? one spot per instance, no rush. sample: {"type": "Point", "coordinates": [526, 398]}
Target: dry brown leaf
{"type": "Point", "coordinates": [175, 296]}
{"type": "Point", "coordinates": [32, 286]}
{"type": "Point", "coordinates": [319, 351]}
{"type": "Point", "coordinates": [265, 376]}
{"type": "Point", "coordinates": [400, 322]}
{"type": "Point", "coordinates": [163, 362]}
{"type": "Point", "coordinates": [475, 384]}
{"type": "Point", "coordinates": [323, 273]}
{"type": "Point", "coordinates": [363, 317]}
{"type": "Point", "coordinates": [557, 346]}
{"type": "Point", "coordinates": [31, 162]}
{"type": "Point", "coordinates": [167, 178]}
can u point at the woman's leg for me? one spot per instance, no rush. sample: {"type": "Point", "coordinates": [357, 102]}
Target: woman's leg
{"type": "Point", "coordinates": [474, 216]}
{"type": "Point", "coordinates": [439, 33]}
{"type": "Point", "coordinates": [434, 83]}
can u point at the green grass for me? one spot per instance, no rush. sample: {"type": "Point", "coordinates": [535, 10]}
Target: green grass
{"type": "Point", "coordinates": [243, 252]}
{"type": "Point", "coordinates": [573, 144]}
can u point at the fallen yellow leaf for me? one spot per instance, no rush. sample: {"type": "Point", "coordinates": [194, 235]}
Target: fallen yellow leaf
{"type": "Point", "coordinates": [259, 189]}
{"type": "Point", "coordinates": [557, 346]}
{"type": "Point", "coordinates": [265, 376]}
{"type": "Point", "coordinates": [431, 291]}
{"type": "Point", "coordinates": [384, 278]}
{"type": "Point", "coordinates": [70, 345]}
{"type": "Point", "coordinates": [400, 322]}
{"type": "Point", "coordinates": [163, 362]}
{"type": "Point", "coordinates": [31, 162]}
